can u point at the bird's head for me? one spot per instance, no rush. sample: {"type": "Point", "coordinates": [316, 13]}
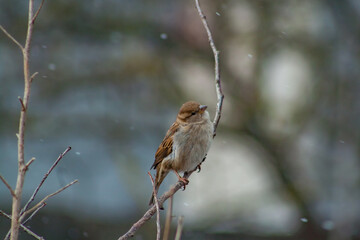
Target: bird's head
{"type": "Point", "coordinates": [191, 112]}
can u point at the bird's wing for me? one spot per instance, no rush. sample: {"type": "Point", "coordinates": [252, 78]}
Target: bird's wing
{"type": "Point", "coordinates": [166, 145]}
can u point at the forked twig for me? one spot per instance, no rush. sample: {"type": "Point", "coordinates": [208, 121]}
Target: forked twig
{"type": "Point", "coordinates": [149, 213]}
{"type": "Point", "coordinates": [27, 230]}
{"type": "Point", "coordinates": [43, 180]}
{"type": "Point", "coordinates": [158, 227]}
{"type": "Point", "coordinates": [38, 206]}
{"type": "Point", "coordinates": [46, 198]}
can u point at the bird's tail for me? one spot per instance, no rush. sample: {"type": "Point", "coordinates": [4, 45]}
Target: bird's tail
{"type": "Point", "coordinates": [159, 178]}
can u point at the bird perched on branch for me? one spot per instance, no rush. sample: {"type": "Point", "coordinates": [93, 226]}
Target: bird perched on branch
{"type": "Point", "coordinates": [185, 144]}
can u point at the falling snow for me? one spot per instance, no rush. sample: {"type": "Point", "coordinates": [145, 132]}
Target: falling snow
{"type": "Point", "coordinates": [163, 36]}
{"type": "Point", "coordinates": [52, 66]}
{"type": "Point", "coordinates": [327, 225]}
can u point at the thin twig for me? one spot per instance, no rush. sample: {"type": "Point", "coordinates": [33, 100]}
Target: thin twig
{"type": "Point", "coordinates": [168, 219]}
{"type": "Point", "coordinates": [12, 38]}
{"type": "Point", "coordinates": [29, 162]}
{"type": "Point", "coordinates": [27, 230]}
{"type": "Point", "coordinates": [34, 213]}
{"type": "Point", "coordinates": [219, 93]}
{"type": "Point", "coordinates": [37, 12]}
{"type": "Point", "coordinates": [28, 219]}
{"type": "Point", "coordinates": [43, 180]}
{"type": "Point", "coordinates": [23, 108]}
{"type": "Point", "coordinates": [8, 186]}
{"type": "Point", "coordinates": [179, 228]}
{"type": "Point", "coordinates": [34, 74]}
{"type": "Point", "coordinates": [158, 227]}
{"type": "Point", "coordinates": [46, 198]}
{"type": "Point", "coordinates": [7, 235]}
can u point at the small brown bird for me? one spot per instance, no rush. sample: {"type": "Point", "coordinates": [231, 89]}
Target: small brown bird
{"type": "Point", "coordinates": [185, 144]}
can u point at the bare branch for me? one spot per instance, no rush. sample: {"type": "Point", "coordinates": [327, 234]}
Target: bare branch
{"type": "Point", "coordinates": [158, 227]}
{"type": "Point", "coordinates": [22, 167]}
{"type": "Point", "coordinates": [46, 198]}
{"type": "Point", "coordinates": [8, 186]}
{"type": "Point", "coordinates": [43, 180]}
{"type": "Point", "coordinates": [179, 228]}
{"type": "Point", "coordinates": [168, 219]}
{"type": "Point", "coordinates": [173, 189]}
{"type": "Point", "coordinates": [37, 12]}
{"type": "Point", "coordinates": [27, 230]}
{"type": "Point", "coordinates": [219, 93]}
{"type": "Point", "coordinates": [12, 38]}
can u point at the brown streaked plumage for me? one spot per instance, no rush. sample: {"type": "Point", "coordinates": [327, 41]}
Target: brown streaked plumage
{"type": "Point", "coordinates": [185, 144]}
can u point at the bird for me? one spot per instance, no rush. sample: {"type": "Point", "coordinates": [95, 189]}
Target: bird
{"type": "Point", "coordinates": [185, 144]}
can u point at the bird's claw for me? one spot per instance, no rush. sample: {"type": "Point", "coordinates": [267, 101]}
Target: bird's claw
{"type": "Point", "coordinates": [198, 167]}
{"type": "Point", "coordinates": [184, 181]}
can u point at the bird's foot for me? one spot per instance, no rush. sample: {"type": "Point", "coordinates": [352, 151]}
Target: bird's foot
{"type": "Point", "coordinates": [182, 179]}
{"type": "Point", "coordinates": [184, 182]}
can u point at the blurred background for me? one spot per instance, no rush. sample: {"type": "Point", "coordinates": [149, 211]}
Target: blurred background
{"type": "Point", "coordinates": [112, 76]}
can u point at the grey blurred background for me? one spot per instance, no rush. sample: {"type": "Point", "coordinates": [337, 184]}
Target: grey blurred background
{"type": "Point", "coordinates": [112, 76]}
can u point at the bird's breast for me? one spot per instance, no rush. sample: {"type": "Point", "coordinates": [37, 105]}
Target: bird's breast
{"type": "Point", "coordinates": [191, 143]}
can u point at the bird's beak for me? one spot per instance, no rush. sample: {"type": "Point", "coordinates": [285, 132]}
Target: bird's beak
{"type": "Point", "coordinates": [202, 108]}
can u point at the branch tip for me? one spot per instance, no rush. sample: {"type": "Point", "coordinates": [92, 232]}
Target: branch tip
{"type": "Point", "coordinates": [37, 12]}
{"type": "Point", "coordinates": [29, 162]}
{"type": "Point", "coordinates": [23, 108]}
{"type": "Point", "coordinates": [33, 76]}
{"type": "Point", "coordinates": [8, 186]}
{"type": "Point", "coordinates": [11, 37]}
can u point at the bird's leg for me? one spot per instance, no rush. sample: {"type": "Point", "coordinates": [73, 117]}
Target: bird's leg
{"type": "Point", "coordinates": [181, 179]}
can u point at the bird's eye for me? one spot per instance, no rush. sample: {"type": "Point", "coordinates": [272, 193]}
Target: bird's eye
{"type": "Point", "coordinates": [193, 113]}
